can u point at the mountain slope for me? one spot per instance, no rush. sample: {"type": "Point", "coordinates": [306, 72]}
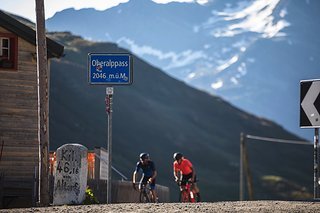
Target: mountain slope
{"type": "Point", "coordinates": [243, 51]}
{"type": "Point", "coordinates": [160, 115]}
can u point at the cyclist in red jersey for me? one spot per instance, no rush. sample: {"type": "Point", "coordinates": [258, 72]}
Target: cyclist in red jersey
{"type": "Point", "coordinates": [184, 171]}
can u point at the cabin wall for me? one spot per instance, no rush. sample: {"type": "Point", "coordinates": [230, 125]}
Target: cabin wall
{"type": "Point", "coordinates": [19, 121]}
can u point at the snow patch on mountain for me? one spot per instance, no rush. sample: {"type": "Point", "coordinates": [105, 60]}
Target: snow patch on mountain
{"type": "Point", "coordinates": [257, 16]}
{"type": "Point", "coordinates": [175, 60]}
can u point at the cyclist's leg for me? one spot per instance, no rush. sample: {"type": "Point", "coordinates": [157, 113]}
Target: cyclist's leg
{"type": "Point", "coordinates": [184, 180]}
{"type": "Point", "coordinates": [196, 190]}
{"type": "Point", "coordinates": [153, 191]}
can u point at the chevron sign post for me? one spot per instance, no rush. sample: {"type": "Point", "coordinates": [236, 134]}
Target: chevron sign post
{"type": "Point", "coordinates": [310, 118]}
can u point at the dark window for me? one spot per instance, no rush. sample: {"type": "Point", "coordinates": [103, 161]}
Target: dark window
{"type": "Point", "coordinates": [8, 51]}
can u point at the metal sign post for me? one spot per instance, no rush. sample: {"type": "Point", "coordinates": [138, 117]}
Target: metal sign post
{"type": "Point", "coordinates": [316, 182]}
{"type": "Point", "coordinates": [241, 185]}
{"type": "Point", "coordinates": [110, 69]}
{"type": "Point", "coordinates": [109, 94]}
{"type": "Point", "coordinates": [310, 118]}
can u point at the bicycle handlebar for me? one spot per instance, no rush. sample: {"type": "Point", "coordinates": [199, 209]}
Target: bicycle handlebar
{"type": "Point", "coordinates": [138, 184]}
{"type": "Point", "coordinates": [188, 182]}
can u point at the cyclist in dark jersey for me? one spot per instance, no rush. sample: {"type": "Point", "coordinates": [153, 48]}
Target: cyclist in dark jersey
{"type": "Point", "coordinates": [149, 173]}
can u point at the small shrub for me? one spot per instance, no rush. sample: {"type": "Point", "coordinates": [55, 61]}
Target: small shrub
{"type": "Point", "coordinates": [90, 198]}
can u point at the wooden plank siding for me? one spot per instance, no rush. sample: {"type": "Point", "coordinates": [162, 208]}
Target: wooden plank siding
{"type": "Point", "coordinates": [19, 110]}
{"type": "Point", "coordinates": [19, 121]}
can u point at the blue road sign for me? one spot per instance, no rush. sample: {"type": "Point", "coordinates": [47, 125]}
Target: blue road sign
{"type": "Point", "coordinates": [111, 69]}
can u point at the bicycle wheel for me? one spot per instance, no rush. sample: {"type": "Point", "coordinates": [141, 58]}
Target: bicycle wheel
{"type": "Point", "coordinates": [144, 197]}
{"type": "Point", "coordinates": [184, 196]}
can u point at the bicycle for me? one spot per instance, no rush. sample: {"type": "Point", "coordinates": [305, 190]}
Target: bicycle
{"type": "Point", "coordinates": [186, 193]}
{"type": "Point", "coordinates": [145, 195]}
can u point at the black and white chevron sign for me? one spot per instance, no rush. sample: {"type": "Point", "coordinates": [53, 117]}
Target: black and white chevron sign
{"type": "Point", "coordinates": [310, 103]}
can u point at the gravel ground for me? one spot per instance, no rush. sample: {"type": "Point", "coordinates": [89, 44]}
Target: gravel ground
{"type": "Point", "coordinates": [246, 206]}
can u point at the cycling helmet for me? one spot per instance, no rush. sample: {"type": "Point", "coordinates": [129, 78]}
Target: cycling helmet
{"type": "Point", "coordinates": [177, 156]}
{"type": "Point", "coordinates": [144, 156]}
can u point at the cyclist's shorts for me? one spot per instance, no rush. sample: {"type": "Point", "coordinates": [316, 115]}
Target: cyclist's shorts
{"type": "Point", "coordinates": [144, 181]}
{"type": "Point", "coordinates": [187, 177]}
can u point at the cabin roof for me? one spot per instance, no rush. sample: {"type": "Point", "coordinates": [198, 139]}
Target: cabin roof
{"type": "Point", "coordinates": [54, 49]}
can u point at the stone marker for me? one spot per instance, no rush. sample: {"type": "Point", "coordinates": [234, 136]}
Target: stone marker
{"type": "Point", "coordinates": [70, 180]}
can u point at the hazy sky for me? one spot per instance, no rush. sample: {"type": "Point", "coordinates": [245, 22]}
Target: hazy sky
{"type": "Point", "coordinates": [26, 8]}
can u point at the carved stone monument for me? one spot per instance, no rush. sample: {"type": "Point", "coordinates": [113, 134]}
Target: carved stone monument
{"type": "Point", "coordinates": [70, 180]}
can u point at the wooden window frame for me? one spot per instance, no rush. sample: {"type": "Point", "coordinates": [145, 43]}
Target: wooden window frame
{"type": "Point", "coordinates": [12, 51]}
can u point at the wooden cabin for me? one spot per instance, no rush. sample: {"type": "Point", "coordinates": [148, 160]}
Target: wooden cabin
{"type": "Point", "coordinates": [19, 143]}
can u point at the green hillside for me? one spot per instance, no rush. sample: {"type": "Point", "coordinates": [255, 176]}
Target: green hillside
{"type": "Point", "coordinates": [161, 115]}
